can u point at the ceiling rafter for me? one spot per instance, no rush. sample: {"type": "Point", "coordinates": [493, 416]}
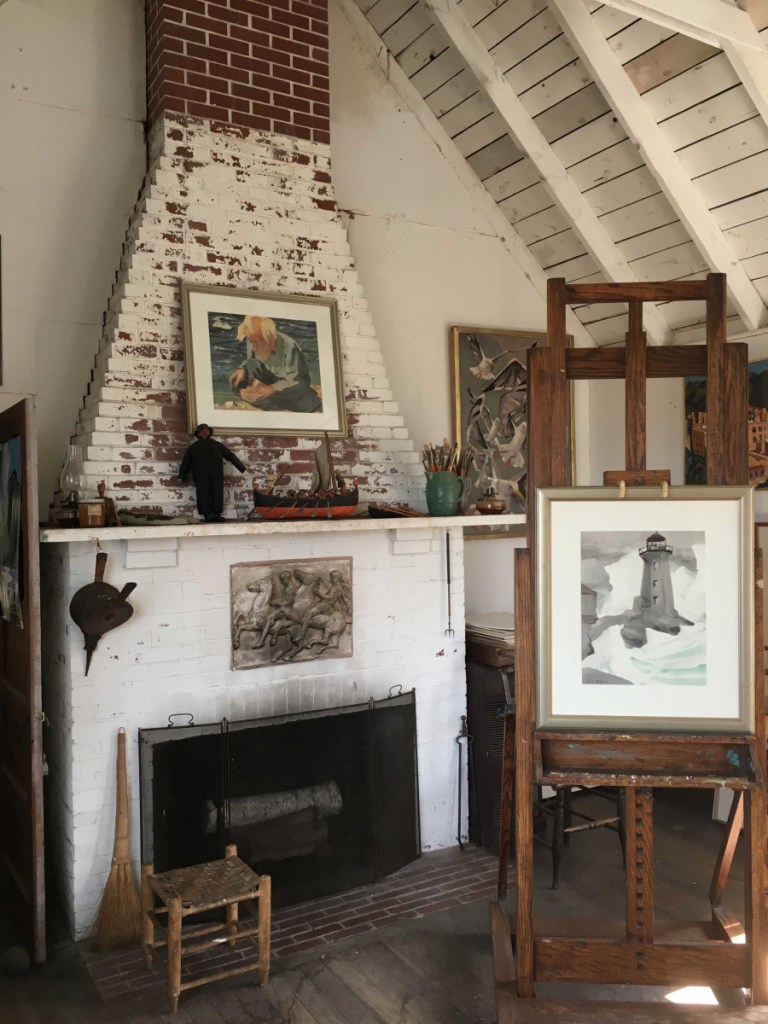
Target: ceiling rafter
{"type": "Point", "coordinates": [659, 155]}
{"type": "Point", "coordinates": [752, 68]}
{"type": "Point", "coordinates": [479, 195]}
{"type": "Point", "coordinates": [527, 136]}
{"type": "Point", "coordinates": [718, 24]}
{"type": "Point", "coordinates": [709, 21]}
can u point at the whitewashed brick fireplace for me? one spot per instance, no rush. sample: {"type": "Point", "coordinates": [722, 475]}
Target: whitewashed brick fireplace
{"type": "Point", "coordinates": [173, 657]}
{"type": "Point", "coordinates": [238, 192]}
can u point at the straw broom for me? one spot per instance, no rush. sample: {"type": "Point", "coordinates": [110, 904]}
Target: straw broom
{"type": "Point", "coordinates": [118, 921]}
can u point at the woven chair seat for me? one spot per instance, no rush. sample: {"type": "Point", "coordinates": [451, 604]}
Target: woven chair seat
{"type": "Point", "coordinates": [206, 886]}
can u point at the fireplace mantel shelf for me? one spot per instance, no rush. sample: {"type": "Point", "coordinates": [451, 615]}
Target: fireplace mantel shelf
{"type": "Point", "coordinates": [235, 527]}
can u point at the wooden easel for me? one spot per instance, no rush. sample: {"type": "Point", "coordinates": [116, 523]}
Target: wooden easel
{"type": "Point", "coordinates": [638, 950]}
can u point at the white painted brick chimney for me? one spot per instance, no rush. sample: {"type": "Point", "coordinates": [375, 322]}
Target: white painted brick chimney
{"type": "Point", "coordinates": [241, 208]}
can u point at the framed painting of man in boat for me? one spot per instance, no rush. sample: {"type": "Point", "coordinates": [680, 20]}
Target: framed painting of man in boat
{"type": "Point", "coordinates": [645, 609]}
{"type": "Point", "coordinates": [291, 611]}
{"type": "Point", "coordinates": [490, 417]}
{"type": "Point", "coordinates": [696, 427]}
{"type": "Point", "coordinates": [259, 363]}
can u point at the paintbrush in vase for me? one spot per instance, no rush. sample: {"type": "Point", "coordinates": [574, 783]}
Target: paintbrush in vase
{"type": "Point", "coordinates": [440, 458]}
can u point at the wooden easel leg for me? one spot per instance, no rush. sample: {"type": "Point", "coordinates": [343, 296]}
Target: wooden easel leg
{"type": "Point", "coordinates": [524, 760]}
{"type": "Point", "coordinates": [621, 808]}
{"type": "Point", "coordinates": [640, 889]}
{"type": "Point", "coordinates": [756, 827]}
{"type": "Point", "coordinates": [756, 882]}
{"type": "Point", "coordinates": [727, 850]}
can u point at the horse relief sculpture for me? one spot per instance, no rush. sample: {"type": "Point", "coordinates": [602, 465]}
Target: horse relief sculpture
{"type": "Point", "coordinates": [291, 611]}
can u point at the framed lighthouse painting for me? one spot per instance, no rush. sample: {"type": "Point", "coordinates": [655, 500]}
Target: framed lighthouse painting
{"type": "Point", "coordinates": [644, 609]}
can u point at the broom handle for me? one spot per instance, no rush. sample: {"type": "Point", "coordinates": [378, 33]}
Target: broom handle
{"type": "Point", "coordinates": [121, 850]}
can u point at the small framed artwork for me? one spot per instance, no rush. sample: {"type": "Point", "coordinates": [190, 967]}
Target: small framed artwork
{"type": "Point", "coordinates": [644, 608]}
{"type": "Point", "coordinates": [289, 611]}
{"type": "Point", "coordinates": [696, 427]}
{"type": "Point", "coordinates": [490, 416]}
{"type": "Point", "coordinates": [262, 364]}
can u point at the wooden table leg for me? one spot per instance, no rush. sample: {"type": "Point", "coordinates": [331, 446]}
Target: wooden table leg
{"type": "Point", "coordinates": [265, 926]}
{"type": "Point", "coordinates": [147, 924]}
{"type": "Point", "coordinates": [558, 832]}
{"type": "Point", "coordinates": [507, 802]}
{"type": "Point", "coordinates": [174, 954]}
{"type": "Point", "coordinates": [232, 917]}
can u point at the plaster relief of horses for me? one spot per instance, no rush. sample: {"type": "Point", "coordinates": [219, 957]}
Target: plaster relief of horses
{"type": "Point", "coordinates": [291, 611]}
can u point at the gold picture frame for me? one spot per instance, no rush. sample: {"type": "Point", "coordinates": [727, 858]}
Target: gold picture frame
{"type": "Point", "coordinates": [262, 363]}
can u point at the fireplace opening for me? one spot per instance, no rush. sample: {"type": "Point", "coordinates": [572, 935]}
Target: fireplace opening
{"type": "Point", "coordinates": [322, 801]}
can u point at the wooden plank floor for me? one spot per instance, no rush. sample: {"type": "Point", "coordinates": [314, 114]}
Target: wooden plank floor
{"type": "Point", "coordinates": [433, 970]}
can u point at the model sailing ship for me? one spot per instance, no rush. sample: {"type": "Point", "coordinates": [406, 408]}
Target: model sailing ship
{"type": "Point", "coordinates": [329, 498]}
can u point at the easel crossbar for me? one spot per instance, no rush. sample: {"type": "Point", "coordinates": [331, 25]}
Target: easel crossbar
{"type": "Point", "coordinates": [661, 362]}
{"type": "Point", "coordinates": [716, 964]}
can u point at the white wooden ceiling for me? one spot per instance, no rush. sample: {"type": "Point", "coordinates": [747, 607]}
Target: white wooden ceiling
{"type": "Point", "coordinates": [620, 141]}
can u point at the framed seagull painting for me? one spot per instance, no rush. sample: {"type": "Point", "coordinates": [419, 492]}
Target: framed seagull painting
{"type": "Point", "coordinates": [490, 416]}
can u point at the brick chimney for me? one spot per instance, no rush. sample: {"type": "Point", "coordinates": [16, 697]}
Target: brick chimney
{"type": "Point", "coordinates": [238, 194]}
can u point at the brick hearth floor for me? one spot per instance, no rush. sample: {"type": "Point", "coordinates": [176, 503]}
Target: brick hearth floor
{"type": "Point", "coordinates": [438, 880]}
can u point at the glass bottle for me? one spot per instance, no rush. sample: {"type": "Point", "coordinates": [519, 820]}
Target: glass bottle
{"type": "Point", "coordinates": [489, 502]}
{"type": "Point", "coordinates": [73, 482]}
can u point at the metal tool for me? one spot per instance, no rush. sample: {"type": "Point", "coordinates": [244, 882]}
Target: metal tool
{"type": "Point", "coordinates": [472, 778]}
{"type": "Point", "coordinates": [98, 607]}
{"type": "Point", "coordinates": [449, 631]}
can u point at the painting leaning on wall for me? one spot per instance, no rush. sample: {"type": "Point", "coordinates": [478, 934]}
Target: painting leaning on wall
{"type": "Point", "coordinates": [696, 427]}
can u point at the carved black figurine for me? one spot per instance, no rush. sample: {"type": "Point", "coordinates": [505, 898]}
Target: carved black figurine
{"type": "Point", "coordinates": [205, 460]}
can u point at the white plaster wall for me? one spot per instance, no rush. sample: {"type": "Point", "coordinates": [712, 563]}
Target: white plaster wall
{"type": "Point", "coordinates": [71, 164]}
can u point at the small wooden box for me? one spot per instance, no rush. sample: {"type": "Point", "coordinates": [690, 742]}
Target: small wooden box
{"type": "Point", "coordinates": [91, 513]}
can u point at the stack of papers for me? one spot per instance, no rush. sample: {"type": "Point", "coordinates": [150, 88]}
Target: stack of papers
{"type": "Point", "coordinates": [491, 627]}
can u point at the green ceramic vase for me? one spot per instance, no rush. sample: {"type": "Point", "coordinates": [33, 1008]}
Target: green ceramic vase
{"type": "Point", "coordinates": [444, 491]}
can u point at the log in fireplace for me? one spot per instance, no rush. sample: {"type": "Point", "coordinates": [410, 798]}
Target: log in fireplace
{"type": "Point", "coordinates": [321, 800]}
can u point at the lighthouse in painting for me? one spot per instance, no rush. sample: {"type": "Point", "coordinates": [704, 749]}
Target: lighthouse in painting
{"type": "Point", "coordinates": [654, 608]}
{"type": "Point", "coordinates": [656, 588]}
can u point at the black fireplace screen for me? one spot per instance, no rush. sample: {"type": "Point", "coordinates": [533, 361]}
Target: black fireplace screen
{"type": "Point", "coordinates": [322, 800]}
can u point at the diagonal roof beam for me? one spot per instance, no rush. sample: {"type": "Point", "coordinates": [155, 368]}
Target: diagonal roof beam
{"type": "Point", "coordinates": [719, 24]}
{"type": "Point", "coordinates": [522, 129]}
{"type": "Point", "coordinates": [752, 68]}
{"type": "Point", "coordinates": [659, 155]}
{"type": "Point", "coordinates": [481, 199]}
{"type": "Point", "coordinates": [707, 20]}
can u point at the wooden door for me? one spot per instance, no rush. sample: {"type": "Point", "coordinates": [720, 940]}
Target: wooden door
{"type": "Point", "coordinates": [21, 748]}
